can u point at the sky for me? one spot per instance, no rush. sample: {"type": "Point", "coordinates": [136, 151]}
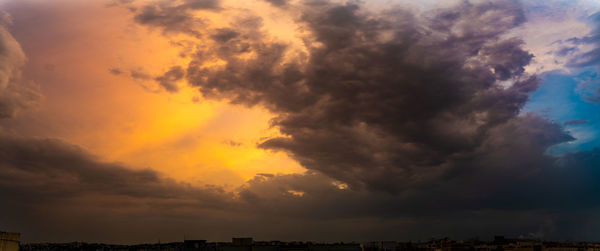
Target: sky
{"type": "Point", "coordinates": [130, 121]}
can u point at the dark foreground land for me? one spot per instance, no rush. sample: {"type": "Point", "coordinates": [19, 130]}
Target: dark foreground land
{"type": "Point", "coordinates": [247, 244]}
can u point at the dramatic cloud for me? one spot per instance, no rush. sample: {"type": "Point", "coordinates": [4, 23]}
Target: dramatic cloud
{"type": "Point", "coordinates": [423, 106]}
{"type": "Point", "coordinates": [379, 98]}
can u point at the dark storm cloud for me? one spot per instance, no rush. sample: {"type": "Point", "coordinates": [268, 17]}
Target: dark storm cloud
{"type": "Point", "coordinates": [507, 172]}
{"type": "Point", "coordinates": [49, 169]}
{"type": "Point", "coordinates": [530, 188]}
{"type": "Point", "coordinates": [422, 106]}
{"type": "Point", "coordinates": [507, 178]}
{"type": "Point", "coordinates": [382, 98]}
{"type": "Point", "coordinates": [15, 92]}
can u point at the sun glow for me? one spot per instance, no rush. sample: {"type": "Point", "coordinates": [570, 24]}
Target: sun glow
{"type": "Point", "coordinates": [129, 119]}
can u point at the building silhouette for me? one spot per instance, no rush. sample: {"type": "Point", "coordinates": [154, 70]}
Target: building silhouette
{"type": "Point", "coordinates": [9, 241]}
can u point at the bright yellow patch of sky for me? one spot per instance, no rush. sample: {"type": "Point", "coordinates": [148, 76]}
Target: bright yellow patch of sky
{"type": "Point", "coordinates": [114, 117]}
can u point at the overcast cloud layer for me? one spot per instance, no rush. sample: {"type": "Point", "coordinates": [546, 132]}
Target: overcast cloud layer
{"type": "Point", "coordinates": [410, 125]}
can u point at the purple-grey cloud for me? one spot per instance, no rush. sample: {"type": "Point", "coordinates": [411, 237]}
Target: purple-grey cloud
{"type": "Point", "coordinates": [402, 106]}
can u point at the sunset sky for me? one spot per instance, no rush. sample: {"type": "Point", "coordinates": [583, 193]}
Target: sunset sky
{"type": "Point", "coordinates": [128, 121]}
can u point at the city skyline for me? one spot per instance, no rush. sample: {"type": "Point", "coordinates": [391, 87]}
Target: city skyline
{"type": "Point", "coordinates": [497, 243]}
